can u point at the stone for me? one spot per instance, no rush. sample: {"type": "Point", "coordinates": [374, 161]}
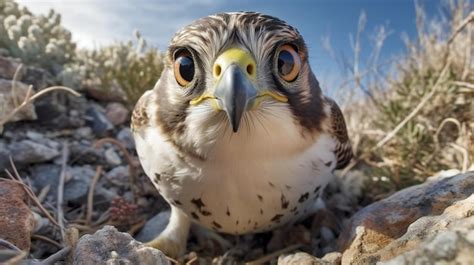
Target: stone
{"type": "Point", "coordinates": [85, 154]}
{"type": "Point", "coordinates": [37, 77]}
{"type": "Point", "coordinates": [125, 137]}
{"type": "Point", "coordinates": [17, 221]}
{"type": "Point", "coordinates": [112, 157]}
{"type": "Point", "coordinates": [109, 246]}
{"type": "Point", "coordinates": [4, 156]}
{"type": "Point", "coordinates": [446, 238]}
{"type": "Point", "coordinates": [9, 101]}
{"type": "Point", "coordinates": [96, 119]}
{"type": "Point", "coordinates": [8, 67]}
{"type": "Point", "coordinates": [30, 152]}
{"type": "Point", "coordinates": [117, 113]}
{"type": "Point", "coordinates": [409, 220]}
{"type": "Point", "coordinates": [119, 176]}
{"type": "Point", "coordinates": [76, 186]}
{"type": "Point", "coordinates": [300, 258]}
{"type": "Point", "coordinates": [154, 227]}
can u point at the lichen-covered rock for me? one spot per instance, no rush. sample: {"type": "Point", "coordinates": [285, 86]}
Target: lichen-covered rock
{"type": "Point", "coordinates": [109, 246]}
{"type": "Point", "coordinates": [9, 101]}
{"type": "Point", "coordinates": [17, 222]}
{"type": "Point", "coordinates": [409, 220]}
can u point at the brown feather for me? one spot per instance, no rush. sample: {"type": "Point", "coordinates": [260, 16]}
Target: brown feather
{"type": "Point", "coordinates": [343, 149]}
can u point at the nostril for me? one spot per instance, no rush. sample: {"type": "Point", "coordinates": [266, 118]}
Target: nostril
{"type": "Point", "coordinates": [217, 70]}
{"type": "Point", "coordinates": [250, 69]}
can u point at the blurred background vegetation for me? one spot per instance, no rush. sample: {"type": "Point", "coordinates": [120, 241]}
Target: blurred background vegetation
{"type": "Point", "coordinates": [415, 119]}
{"type": "Point", "coordinates": [127, 68]}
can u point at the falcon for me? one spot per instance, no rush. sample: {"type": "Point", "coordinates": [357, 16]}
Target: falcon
{"type": "Point", "coordinates": [236, 135]}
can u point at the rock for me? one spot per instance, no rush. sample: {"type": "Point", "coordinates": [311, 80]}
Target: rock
{"type": "Point", "coordinates": [4, 156]}
{"type": "Point", "coordinates": [444, 238]}
{"type": "Point", "coordinates": [30, 152]}
{"type": "Point", "coordinates": [117, 113]}
{"type": "Point", "coordinates": [96, 119]}
{"type": "Point", "coordinates": [153, 227]}
{"type": "Point", "coordinates": [8, 68]}
{"type": "Point", "coordinates": [109, 246]}
{"type": "Point", "coordinates": [112, 157]}
{"type": "Point", "coordinates": [333, 258]}
{"type": "Point", "coordinates": [17, 222]}
{"type": "Point", "coordinates": [37, 77]}
{"type": "Point", "coordinates": [300, 258]}
{"type": "Point", "coordinates": [119, 176]}
{"type": "Point", "coordinates": [85, 154]}
{"type": "Point", "coordinates": [112, 94]}
{"type": "Point", "coordinates": [409, 220]}
{"type": "Point", "coordinates": [125, 136]}
{"type": "Point", "coordinates": [76, 186]}
{"type": "Point", "coordinates": [83, 133]}
{"type": "Point", "coordinates": [8, 103]}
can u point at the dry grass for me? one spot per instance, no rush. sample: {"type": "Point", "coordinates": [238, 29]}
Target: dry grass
{"type": "Point", "coordinates": [419, 119]}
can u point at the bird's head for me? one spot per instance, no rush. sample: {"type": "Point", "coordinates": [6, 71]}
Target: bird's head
{"type": "Point", "coordinates": [236, 70]}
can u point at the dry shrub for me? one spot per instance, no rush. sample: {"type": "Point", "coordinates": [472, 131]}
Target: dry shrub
{"type": "Point", "coordinates": [421, 119]}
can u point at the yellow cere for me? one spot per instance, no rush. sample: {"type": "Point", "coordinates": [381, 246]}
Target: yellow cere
{"type": "Point", "coordinates": [203, 97]}
{"type": "Point", "coordinates": [267, 93]}
{"type": "Point", "coordinates": [235, 56]}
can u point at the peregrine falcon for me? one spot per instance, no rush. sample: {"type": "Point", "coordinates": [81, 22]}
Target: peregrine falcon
{"type": "Point", "coordinates": [236, 135]}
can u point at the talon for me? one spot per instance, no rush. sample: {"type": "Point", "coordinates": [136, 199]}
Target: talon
{"type": "Point", "coordinates": [169, 247]}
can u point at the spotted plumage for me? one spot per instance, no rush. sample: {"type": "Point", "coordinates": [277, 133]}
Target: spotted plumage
{"type": "Point", "coordinates": [236, 133]}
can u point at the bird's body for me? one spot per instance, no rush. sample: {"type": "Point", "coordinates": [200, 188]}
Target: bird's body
{"type": "Point", "coordinates": [232, 176]}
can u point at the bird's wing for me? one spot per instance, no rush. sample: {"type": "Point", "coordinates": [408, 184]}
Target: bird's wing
{"type": "Point", "coordinates": [140, 117]}
{"type": "Point", "coordinates": [343, 150]}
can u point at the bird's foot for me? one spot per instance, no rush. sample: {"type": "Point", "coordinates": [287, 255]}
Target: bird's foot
{"type": "Point", "coordinates": [168, 246]}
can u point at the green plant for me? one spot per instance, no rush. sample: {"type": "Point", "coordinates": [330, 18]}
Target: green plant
{"type": "Point", "coordinates": [133, 68]}
{"type": "Point", "coordinates": [424, 121]}
{"type": "Point", "coordinates": [38, 40]}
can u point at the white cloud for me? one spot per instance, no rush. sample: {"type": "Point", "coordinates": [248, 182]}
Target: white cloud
{"type": "Point", "coordinates": [97, 23]}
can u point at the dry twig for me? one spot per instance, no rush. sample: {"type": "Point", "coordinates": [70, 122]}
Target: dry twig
{"type": "Point", "coordinates": [62, 178]}
{"type": "Point", "coordinates": [90, 194]}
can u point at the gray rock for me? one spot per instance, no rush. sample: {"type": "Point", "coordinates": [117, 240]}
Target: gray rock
{"type": "Point", "coordinates": [153, 227]}
{"type": "Point", "coordinates": [300, 258]}
{"type": "Point", "coordinates": [112, 157]}
{"type": "Point", "coordinates": [4, 156]}
{"type": "Point", "coordinates": [76, 186]}
{"type": "Point", "coordinates": [96, 119]}
{"type": "Point", "coordinates": [117, 113]}
{"type": "Point", "coordinates": [83, 133]}
{"type": "Point", "coordinates": [9, 101]}
{"type": "Point", "coordinates": [85, 154]}
{"type": "Point", "coordinates": [423, 224]}
{"type": "Point", "coordinates": [109, 246]}
{"type": "Point", "coordinates": [119, 176]}
{"type": "Point", "coordinates": [125, 136]}
{"type": "Point", "coordinates": [29, 152]}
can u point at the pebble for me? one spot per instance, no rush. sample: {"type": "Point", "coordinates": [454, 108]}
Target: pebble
{"type": "Point", "coordinates": [117, 113]}
{"type": "Point", "coordinates": [96, 119]}
{"type": "Point", "coordinates": [112, 157]}
{"type": "Point", "coordinates": [125, 137]}
{"type": "Point", "coordinates": [29, 152]}
{"type": "Point", "coordinates": [153, 227]}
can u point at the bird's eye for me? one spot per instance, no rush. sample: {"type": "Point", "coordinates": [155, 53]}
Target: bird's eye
{"type": "Point", "coordinates": [289, 63]}
{"type": "Point", "coordinates": [183, 67]}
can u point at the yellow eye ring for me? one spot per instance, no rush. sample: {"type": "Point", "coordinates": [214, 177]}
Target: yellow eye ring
{"type": "Point", "coordinates": [184, 67]}
{"type": "Point", "coordinates": [288, 63]}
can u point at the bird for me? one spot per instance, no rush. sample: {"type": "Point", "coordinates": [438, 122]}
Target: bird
{"type": "Point", "coordinates": [236, 134]}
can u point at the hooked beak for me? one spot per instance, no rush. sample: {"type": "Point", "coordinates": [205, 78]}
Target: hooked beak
{"type": "Point", "coordinates": [234, 71]}
{"type": "Point", "coordinates": [234, 91]}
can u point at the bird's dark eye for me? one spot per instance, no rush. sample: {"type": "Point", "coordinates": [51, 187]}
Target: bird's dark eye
{"type": "Point", "coordinates": [289, 63]}
{"type": "Point", "coordinates": [183, 67]}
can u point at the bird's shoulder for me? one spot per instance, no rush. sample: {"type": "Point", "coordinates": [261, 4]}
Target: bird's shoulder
{"type": "Point", "coordinates": [337, 128]}
{"type": "Point", "coordinates": [140, 115]}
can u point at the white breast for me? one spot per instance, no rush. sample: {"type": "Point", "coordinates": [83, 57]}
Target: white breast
{"type": "Point", "coordinates": [253, 180]}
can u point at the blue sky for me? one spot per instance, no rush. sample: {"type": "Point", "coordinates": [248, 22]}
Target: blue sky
{"type": "Point", "coordinates": [100, 22]}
